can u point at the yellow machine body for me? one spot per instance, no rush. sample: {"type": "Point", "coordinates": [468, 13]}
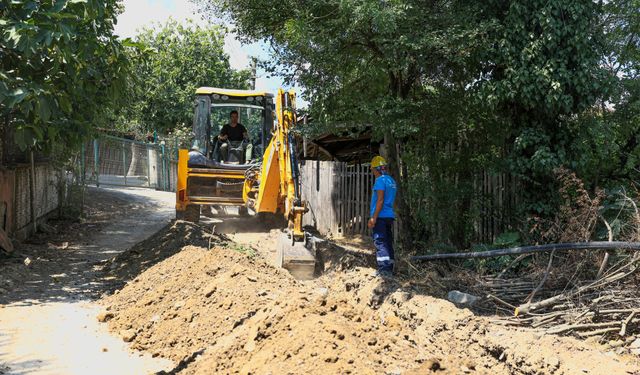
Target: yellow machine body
{"type": "Point", "coordinates": [183, 199]}
{"type": "Point", "coordinates": [213, 184]}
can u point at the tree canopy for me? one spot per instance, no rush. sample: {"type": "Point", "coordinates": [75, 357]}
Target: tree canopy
{"type": "Point", "coordinates": [61, 67]}
{"type": "Point", "coordinates": [175, 60]}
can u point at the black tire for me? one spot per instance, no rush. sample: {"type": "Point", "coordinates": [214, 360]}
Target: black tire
{"type": "Point", "coordinates": [192, 213]}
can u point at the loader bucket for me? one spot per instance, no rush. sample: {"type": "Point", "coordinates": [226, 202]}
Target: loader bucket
{"type": "Point", "coordinates": [296, 257]}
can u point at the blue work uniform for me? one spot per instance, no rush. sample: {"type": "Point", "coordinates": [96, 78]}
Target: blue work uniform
{"type": "Point", "coordinates": [383, 229]}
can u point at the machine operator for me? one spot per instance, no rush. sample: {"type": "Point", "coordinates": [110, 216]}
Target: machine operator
{"type": "Point", "coordinates": [236, 133]}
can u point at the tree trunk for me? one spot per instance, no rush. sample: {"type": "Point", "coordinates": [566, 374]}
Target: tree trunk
{"type": "Point", "coordinates": [8, 149]}
{"type": "Point", "coordinates": [133, 164]}
{"type": "Point", "coordinates": [403, 209]}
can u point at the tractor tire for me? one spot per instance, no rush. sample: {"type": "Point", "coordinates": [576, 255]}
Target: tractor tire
{"type": "Point", "coordinates": [192, 213]}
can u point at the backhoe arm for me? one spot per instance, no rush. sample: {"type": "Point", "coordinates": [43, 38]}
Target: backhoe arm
{"type": "Point", "coordinates": [277, 188]}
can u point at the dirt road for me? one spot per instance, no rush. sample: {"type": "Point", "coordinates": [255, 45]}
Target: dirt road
{"type": "Point", "coordinates": [48, 315]}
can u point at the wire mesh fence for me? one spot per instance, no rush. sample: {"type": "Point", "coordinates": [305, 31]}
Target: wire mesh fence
{"type": "Point", "coordinates": [109, 160]}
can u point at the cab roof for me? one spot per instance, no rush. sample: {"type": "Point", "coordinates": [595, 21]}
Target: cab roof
{"type": "Point", "coordinates": [231, 93]}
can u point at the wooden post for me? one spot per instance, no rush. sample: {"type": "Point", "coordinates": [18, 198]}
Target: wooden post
{"type": "Point", "coordinates": [82, 164]}
{"type": "Point", "coordinates": [350, 183]}
{"type": "Point", "coordinates": [164, 168]}
{"type": "Point", "coordinates": [359, 198]}
{"type": "Point", "coordinates": [148, 151]}
{"type": "Point", "coordinates": [96, 160]}
{"type": "Point", "coordinates": [32, 193]}
{"type": "Point", "coordinates": [318, 174]}
{"type": "Point", "coordinates": [124, 163]}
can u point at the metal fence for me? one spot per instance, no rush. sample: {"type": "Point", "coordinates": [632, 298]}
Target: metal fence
{"type": "Point", "coordinates": [110, 160]}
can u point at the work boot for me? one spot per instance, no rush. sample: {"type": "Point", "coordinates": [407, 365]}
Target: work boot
{"type": "Point", "coordinates": [385, 274]}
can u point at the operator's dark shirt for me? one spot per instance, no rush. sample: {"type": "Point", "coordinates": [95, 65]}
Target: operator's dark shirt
{"type": "Point", "coordinates": [235, 133]}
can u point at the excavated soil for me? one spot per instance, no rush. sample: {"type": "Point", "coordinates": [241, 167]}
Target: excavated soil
{"type": "Point", "coordinates": [227, 310]}
{"type": "Point", "coordinates": [165, 243]}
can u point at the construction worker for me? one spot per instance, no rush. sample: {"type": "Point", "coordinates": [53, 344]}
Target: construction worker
{"type": "Point", "coordinates": [235, 132]}
{"type": "Point", "coordinates": [382, 215]}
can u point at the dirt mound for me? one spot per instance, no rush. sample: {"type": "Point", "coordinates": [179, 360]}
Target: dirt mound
{"type": "Point", "coordinates": [224, 311]}
{"type": "Point", "coordinates": [165, 243]}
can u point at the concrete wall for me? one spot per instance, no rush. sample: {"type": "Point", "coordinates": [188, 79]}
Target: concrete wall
{"type": "Point", "coordinates": [15, 197]}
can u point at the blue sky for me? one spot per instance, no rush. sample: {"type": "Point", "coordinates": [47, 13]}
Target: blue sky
{"type": "Point", "coordinates": [141, 13]}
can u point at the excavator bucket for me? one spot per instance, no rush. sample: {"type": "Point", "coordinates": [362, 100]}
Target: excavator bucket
{"type": "Point", "coordinates": [298, 257]}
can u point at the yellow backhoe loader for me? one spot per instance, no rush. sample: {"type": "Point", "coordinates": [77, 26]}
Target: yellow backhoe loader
{"type": "Point", "coordinates": [267, 183]}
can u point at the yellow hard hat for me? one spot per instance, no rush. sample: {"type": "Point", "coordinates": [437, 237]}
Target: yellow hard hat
{"type": "Point", "coordinates": [378, 161]}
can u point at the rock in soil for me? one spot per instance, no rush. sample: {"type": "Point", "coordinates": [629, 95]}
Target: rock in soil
{"type": "Point", "coordinates": [104, 316]}
{"type": "Point", "coordinates": [128, 335]}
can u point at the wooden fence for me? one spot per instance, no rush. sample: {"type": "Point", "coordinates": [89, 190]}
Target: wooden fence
{"type": "Point", "coordinates": [500, 195]}
{"type": "Point", "coordinates": [27, 194]}
{"type": "Point", "coordinates": [339, 194]}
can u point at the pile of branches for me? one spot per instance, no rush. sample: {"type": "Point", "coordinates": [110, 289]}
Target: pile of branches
{"type": "Point", "coordinates": [607, 307]}
{"type": "Point", "coordinates": [592, 294]}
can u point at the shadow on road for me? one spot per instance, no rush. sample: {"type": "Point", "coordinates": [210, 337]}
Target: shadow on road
{"type": "Point", "coordinates": [63, 265]}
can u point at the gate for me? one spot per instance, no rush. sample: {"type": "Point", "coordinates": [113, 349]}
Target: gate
{"type": "Point", "coordinates": [109, 160]}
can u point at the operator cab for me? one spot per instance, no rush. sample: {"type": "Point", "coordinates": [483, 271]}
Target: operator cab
{"type": "Point", "coordinates": [215, 108]}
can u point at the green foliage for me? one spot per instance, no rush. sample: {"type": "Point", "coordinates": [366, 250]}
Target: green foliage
{"type": "Point", "coordinates": [61, 68]}
{"type": "Point", "coordinates": [177, 59]}
{"type": "Point", "coordinates": [242, 249]}
{"type": "Point", "coordinates": [545, 59]}
{"type": "Point", "coordinates": [545, 70]}
{"type": "Point", "coordinates": [496, 264]}
{"type": "Point", "coordinates": [507, 239]}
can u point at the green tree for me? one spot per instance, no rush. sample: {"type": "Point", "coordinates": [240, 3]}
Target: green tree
{"type": "Point", "coordinates": [543, 70]}
{"type": "Point", "coordinates": [61, 68]}
{"type": "Point", "coordinates": [620, 115]}
{"type": "Point", "coordinates": [175, 61]}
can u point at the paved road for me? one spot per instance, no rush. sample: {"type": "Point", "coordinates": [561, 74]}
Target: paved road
{"type": "Point", "coordinates": [48, 324]}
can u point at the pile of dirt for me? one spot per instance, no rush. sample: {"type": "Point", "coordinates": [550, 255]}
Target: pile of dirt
{"type": "Point", "coordinates": [222, 311]}
{"type": "Point", "coordinates": [163, 244]}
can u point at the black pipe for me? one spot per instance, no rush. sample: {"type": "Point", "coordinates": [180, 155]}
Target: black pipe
{"type": "Point", "coordinates": [596, 245]}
